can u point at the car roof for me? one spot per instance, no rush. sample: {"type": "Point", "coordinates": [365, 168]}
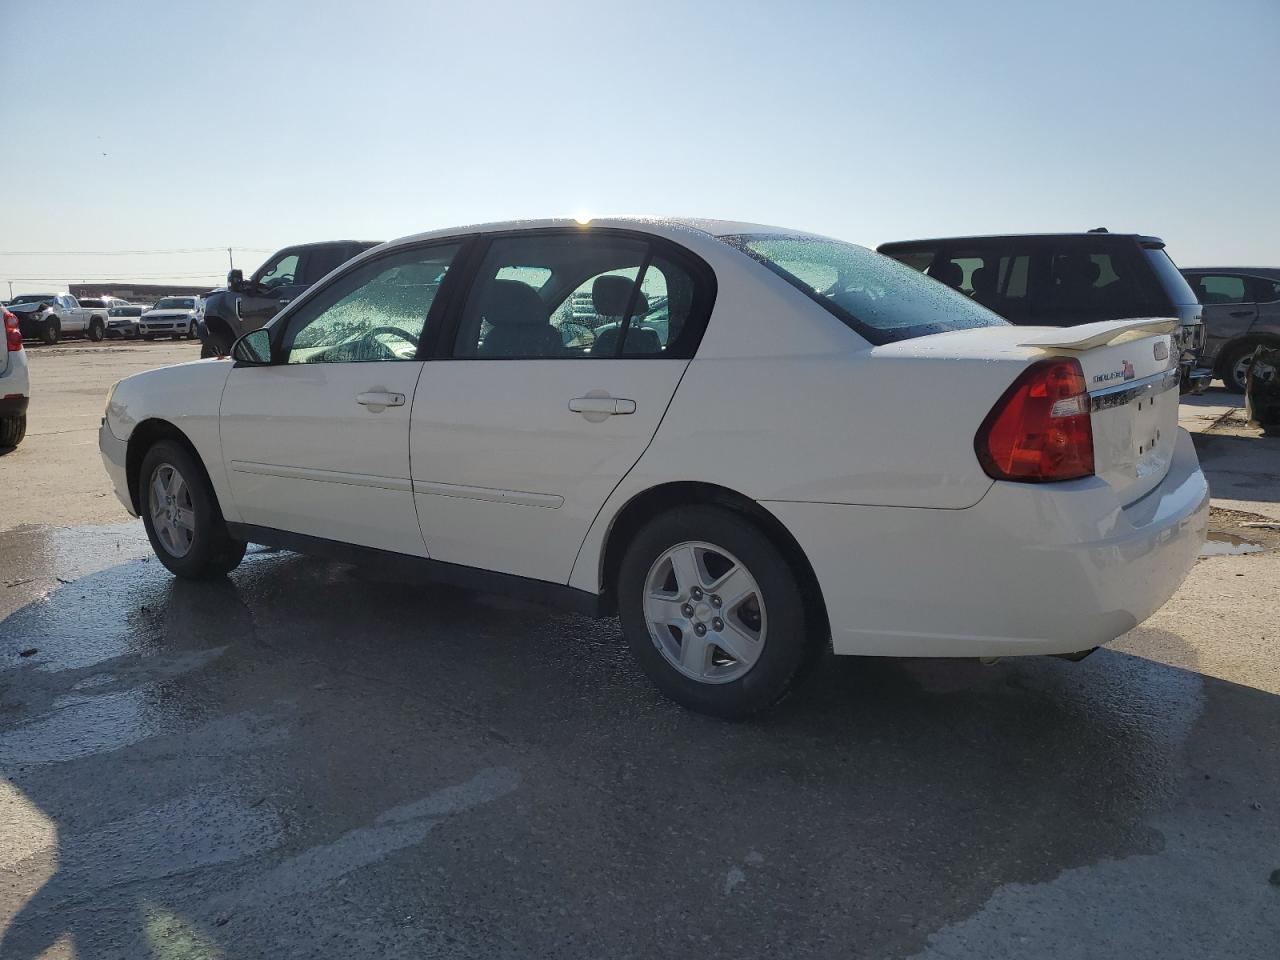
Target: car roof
{"type": "Point", "coordinates": [1140, 237]}
{"type": "Point", "coordinates": [1262, 271]}
{"type": "Point", "coordinates": [331, 243]}
{"type": "Point", "coordinates": [658, 225]}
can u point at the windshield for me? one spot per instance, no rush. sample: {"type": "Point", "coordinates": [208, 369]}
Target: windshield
{"type": "Point", "coordinates": [176, 303]}
{"type": "Point", "coordinates": [32, 298]}
{"type": "Point", "coordinates": [877, 297]}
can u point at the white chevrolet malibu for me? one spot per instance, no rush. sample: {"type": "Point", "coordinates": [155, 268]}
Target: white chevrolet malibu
{"type": "Point", "coordinates": [747, 441]}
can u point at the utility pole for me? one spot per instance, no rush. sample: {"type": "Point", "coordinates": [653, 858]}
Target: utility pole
{"type": "Point", "coordinates": [10, 289]}
{"type": "Point", "coordinates": [231, 264]}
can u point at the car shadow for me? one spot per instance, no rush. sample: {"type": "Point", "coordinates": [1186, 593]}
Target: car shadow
{"type": "Point", "coordinates": [243, 765]}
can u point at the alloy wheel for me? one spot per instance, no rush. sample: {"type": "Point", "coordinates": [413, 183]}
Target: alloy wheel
{"type": "Point", "coordinates": [172, 513]}
{"type": "Point", "coordinates": [705, 612]}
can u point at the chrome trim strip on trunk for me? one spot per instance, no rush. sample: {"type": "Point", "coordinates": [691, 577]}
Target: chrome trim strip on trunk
{"type": "Point", "coordinates": [1123, 393]}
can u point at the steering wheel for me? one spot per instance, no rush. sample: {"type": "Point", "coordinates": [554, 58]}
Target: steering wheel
{"type": "Point", "coordinates": [394, 331]}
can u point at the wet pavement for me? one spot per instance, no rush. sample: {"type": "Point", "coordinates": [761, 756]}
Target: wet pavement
{"type": "Point", "coordinates": [302, 761]}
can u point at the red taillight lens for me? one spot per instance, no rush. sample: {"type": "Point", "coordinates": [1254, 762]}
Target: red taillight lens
{"type": "Point", "coordinates": [12, 335]}
{"type": "Point", "coordinates": [1040, 430]}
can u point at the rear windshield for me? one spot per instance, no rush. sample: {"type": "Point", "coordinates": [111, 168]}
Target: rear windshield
{"type": "Point", "coordinates": [879, 298]}
{"type": "Point", "coordinates": [1057, 281]}
{"type": "Point", "coordinates": [1174, 283]}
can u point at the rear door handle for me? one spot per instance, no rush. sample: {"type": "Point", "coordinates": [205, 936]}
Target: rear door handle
{"type": "Point", "coordinates": [597, 408]}
{"type": "Point", "coordinates": [1240, 313]}
{"type": "Point", "coordinates": [380, 399]}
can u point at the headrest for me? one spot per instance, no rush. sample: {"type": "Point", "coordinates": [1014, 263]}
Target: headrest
{"type": "Point", "coordinates": [611, 293]}
{"type": "Point", "coordinates": [1079, 269]}
{"type": "Point", "coordinates": [948, 272]}
{"type": "Point", "coordinates": [510, 303]}
{"type": "Point", "coordinates": [983, 280]}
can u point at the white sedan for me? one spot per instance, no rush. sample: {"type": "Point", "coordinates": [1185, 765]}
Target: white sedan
{"type": "Point", "coordinates": [748, 441]}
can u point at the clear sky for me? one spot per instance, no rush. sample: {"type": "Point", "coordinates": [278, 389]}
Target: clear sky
{"type": "Point", "coordinates": [154, 124]}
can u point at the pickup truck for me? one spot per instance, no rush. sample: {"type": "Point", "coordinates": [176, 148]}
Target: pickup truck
{"type": "Point", "coordinates": [248, 304]}
{"type": "Point", "coordinates": [49, 316]}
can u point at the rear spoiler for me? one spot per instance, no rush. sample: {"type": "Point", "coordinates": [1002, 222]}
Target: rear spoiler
{"type": "Point", "coordinates": [1090, 335]}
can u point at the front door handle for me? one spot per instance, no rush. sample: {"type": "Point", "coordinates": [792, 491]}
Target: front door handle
{"type": "Point", "coordinates": [378, 399]}
{"type": "Point", "coordinates": [597, 408]}
{"type": "Point", "coordinates": [1240, 313]}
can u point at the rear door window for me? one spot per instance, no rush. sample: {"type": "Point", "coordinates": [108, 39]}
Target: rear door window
{"type": "Point", "coordinates": [1266, 291]}
{"type": "Point", "coordinates": [580, 296]}
{"type": "Point", "coordinates": [1220, 288]}
{"type": "Point", "coordinates": [321, 261]}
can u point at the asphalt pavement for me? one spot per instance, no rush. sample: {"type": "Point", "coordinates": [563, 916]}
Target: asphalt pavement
{"type": "Point", "coordinates": [306, 761]}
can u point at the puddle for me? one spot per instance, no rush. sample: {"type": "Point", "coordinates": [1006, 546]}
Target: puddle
{"type": "Point", "coordinates": [1228, 545]}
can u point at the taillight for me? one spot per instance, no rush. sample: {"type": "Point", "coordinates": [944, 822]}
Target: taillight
{"type": "Point", "coordinates": [1039, 430]}
{"type": "Point", "coordinates": [12, 333]}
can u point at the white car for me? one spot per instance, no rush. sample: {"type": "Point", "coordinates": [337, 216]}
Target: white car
{"type": "Point", "coordinates": [775, 441]}
{"type": "Point", "coordinates": [15, 387]}
{"type": "Point", "coordinates": [174, 317]}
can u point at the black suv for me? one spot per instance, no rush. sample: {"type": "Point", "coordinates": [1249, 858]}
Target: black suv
{"type": "Point", "coordinates": [1241, 313]}
{"type": "Point", "coordinates": [248, 304]}
{"type": "Point", "coordinates": [1066, 279]}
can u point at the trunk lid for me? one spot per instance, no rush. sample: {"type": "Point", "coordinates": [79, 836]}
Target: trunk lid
{"type": "Point", "coordinates": [1131, 368]}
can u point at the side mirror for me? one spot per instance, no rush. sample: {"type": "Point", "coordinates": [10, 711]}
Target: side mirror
{"type": "Point", "coordinates": [254, 348]}
{"type": "Point", "coordinates": [235, 280]}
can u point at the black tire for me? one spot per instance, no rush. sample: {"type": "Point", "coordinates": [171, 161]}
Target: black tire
{"type": "Point", "coordinates": [191, 331]}
{"type": "Point", "coordinates": [215, 344]}
{"type": "Point", "coordinates": [1229, 361]}
{"type": "Point", "coordinates": [50, 331]}
{"type": "Point", "coordinates": [12, 430]}
{"type": "Point", "coordinates": [791, 640]}
{"type": "Point", "coordinates": [211, 552]}
{"type": "Point", "coordinates": [96, 330]}
{"type": "Point", "coordinates": [148, 337]}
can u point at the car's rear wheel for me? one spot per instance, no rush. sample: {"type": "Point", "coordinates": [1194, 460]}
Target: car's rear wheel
{"type": "Point", "coordinates": [50, 331]}
{"type": "Point", "coordinates": [96, 330]}
{"type": "Point", "coordinates": [12, 430]}
{"type": "Point", "coordinates": [1235, 367]}
{"type": "Point", "coordinates": [182, 517]}
{"type": "Point", "coordinates": [714, 613]}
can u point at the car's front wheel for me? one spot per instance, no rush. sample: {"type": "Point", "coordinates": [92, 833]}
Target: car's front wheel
{"type": "Point", "coordinates": [50, 331]}
{"type": "Point", "coordinates": [182, 517]}
{"type": "Point", "coordinates": [714, 613]}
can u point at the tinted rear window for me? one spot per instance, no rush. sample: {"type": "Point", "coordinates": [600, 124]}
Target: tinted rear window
{"type": "Point", "coordinates": [879, 298]}
{"type": "Point", "coordinates": [1174, 283]}
{"type": "Point", "coordinates": [1054, 281]}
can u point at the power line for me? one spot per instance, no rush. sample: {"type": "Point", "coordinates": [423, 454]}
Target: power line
{"type": "Point", "coordinates": [122, 277]}
{"type": "Point", "coordinates": [125, 253]}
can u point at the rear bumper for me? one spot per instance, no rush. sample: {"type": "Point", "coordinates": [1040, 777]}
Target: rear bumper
{"type": "Point", "coordinates": [114, 451]}
{"type": "Point", "coordinates": [1028, 570]}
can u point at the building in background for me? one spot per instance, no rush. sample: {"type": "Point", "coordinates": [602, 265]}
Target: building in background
{"type": "Point", "coordinates": [135, 292]}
